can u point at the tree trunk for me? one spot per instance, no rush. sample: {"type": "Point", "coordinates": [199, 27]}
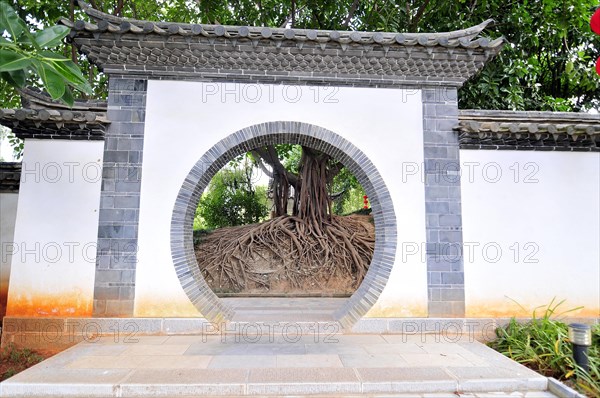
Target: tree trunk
{"type": "Point", "coordinates": [311, 198]}
{"type": "Point", "coordinates": [314, 205]}
{"type": "Point", "coordinates": [281, 193]}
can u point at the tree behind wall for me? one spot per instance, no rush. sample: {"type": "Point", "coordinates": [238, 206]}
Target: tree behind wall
{"type": "Point", "coordinates": [300, 249]}
{"type": "Point", "coordinates": [548, 65]}
{"type": "Point", "coordinates": [232, 199]}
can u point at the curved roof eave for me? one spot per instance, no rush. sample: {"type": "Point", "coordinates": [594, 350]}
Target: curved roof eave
{"type": "Point", "coordinates": [277, 55]}
{"type": "Point", "coordinates": [466, 38]}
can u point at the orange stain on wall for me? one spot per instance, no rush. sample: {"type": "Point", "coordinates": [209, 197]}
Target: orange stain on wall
{"type": "Point", "coordinates": [393, 309]}
{"type": "Point", "coordinates": [66, 304]}
{"type": "Point", "coordinates": [165, 308]}
{"type": "Point", "coordinates": [508, 309]}
{"type": "Point", "coordinates": [3, 300]}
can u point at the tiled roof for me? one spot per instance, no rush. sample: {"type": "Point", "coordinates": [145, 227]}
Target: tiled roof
{"type": "Point", "coordinates": [466, 38]}
{"type": "Point", "coordinates": [44, 118]}
{"type": "Point", "coordinates": [486, 129]}
{"type": "Point", "coordinates": [35, 99]}
{"type": "Point", "coordinates": [55, 123]}
{"type": "Point", "coordinates": [186, 50]}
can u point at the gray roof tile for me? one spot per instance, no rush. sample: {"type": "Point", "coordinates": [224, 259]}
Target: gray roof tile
{"type": "Point", "coordinates": [116, 44]}
{"type": "Point", "coordinates": [55, 123]}
{"type": "Point", "coordinates": [493, 129]}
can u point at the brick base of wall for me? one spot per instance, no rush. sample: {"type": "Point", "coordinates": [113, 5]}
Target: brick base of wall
{"type": "Point", "coordinates": [62, 333]}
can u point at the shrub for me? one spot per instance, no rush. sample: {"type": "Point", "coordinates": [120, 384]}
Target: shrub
{"type": "Point", "coordinates": [542, 345]}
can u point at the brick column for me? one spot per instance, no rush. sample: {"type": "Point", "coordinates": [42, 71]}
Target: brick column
{"type": "Point", "coordinates": [445, 273]}
{"type": "Point", "coordinates": [119, 204]}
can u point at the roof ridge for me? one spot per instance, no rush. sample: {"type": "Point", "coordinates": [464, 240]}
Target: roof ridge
{"type": "Point", "coordinates": [467, 34]}
{"type": "Point", "coordinates": [528, 116]}
{"type": "Point", "coordinates": [53, 115]}
{"type": "Point", "coordinates": [118, 45]}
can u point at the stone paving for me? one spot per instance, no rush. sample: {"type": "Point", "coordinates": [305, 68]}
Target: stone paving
{"type": "Point", "coordinates": [280, 309]}
{"type": "Point", "coordinates": [276, 364]}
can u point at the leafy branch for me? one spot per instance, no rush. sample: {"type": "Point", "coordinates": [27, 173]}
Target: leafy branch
{"type": "Point", "coordinates": [23, 53]}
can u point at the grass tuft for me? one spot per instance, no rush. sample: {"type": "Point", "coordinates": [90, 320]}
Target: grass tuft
{"type": "Point", "coordinates": [542, 345]}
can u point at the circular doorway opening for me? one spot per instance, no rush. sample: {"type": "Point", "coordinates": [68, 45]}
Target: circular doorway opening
{"type": "Point", "coordinates": [194, 284]}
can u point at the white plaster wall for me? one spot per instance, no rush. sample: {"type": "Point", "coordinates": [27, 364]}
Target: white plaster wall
{"type": "Point", "coordinates": [8, 215]}
{"type": "Point", "coordinates": [53, 267]}
{"type": "Point", "coordinates": [543, 208]}
{"type": "Point", "coordinates": [185, 119]}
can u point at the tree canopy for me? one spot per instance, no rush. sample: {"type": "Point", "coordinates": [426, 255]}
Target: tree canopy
{"type": "Point", "coordinates": [232, 199]}
{"type": "Point", "coordinates": [547, 65]}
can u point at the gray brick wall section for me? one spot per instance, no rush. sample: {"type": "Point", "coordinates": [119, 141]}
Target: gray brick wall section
{"type": "Point", "coordinates": [281, 132]}
{"type": "Point", "coordinates": [445, 273]}
{"type": "Point", "coordinates": [119, 204]}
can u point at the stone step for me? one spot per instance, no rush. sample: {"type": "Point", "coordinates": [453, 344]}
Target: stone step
{"type": "Point", "coordinates": [346, 366]}
{"type": "Point", "coordinates": [294, 382]}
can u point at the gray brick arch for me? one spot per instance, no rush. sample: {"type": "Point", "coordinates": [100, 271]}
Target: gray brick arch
{"type": "Point", "coordinates": [281, 132]}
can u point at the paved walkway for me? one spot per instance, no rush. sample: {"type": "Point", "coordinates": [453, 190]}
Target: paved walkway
{"type": "Point", "coordinates": [284, 309]}
{"type": "Point", "coordinates": [275, 365]}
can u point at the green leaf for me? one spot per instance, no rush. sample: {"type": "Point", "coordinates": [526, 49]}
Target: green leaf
{"type": "Point", "coordinates": [51, 55]}
{"type": "Point", "coordinates": [27, 38]}
{"type": "Point", "coordinates": [15, 78]}
{"type": "Point", "coordinates": [71, 73]}
{"type": "Point", "coordinates": [53, 81]}
{"type": "Point", "coordinates": [52, 36]}
{"type": "Point", "coordinates": [569, 67]}
{"type": "Point", "coordinates": [10, 60]}
{"type": "Point", "coordinates": [67, 97]}
{"type": "Point", "coordinates": [10, 21]}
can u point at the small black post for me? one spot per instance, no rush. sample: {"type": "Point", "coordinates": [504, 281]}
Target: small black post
{"type": "Point", "coordinates": [580, 336]}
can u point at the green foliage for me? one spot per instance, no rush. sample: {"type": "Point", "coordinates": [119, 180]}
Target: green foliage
{"type": "Point", "coordinates": [542, 344]}
{"type": "Point", "coordinates": [548, 65]}
{"type": "Point", "coordinates": [350, 202]}
{"type": "Point", "coordinates": [17, 145]}
{"type": "Point", "coordinates": [24, 53]}
{"type": "Point", "coordinates": [7, 136]}
{"type": "Point", "coordinates": [351, 198]}
{"type": "Point", "coordinates": [231, 199]}
{"type": "Point", "coordinates": [17, 359]}
{"type": "Point", "coordinates": [290, 156]}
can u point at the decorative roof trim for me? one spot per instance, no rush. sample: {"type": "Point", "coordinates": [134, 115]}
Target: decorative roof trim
{"type": "Point", "coordinates": [53, 116]}
{"type": "Point", "coordinates": [465, 38]}
{"type": "Point", "coordinates": [33, 98]}
{"type": "Point", "coordinates": [491, 129]}
{"type": "Point", "coordinates": [55, 124]}
{"type": "Point", "coordinates": [162, 50]}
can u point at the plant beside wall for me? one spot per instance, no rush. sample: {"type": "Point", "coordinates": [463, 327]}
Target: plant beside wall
{"type": "Point", "coordinates": [14, 360]}
{"type": "Point", "coordinates": [542, 345]}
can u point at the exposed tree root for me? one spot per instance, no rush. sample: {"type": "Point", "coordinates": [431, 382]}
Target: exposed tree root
{"type": "Point", "coordinates": [287, 254]}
